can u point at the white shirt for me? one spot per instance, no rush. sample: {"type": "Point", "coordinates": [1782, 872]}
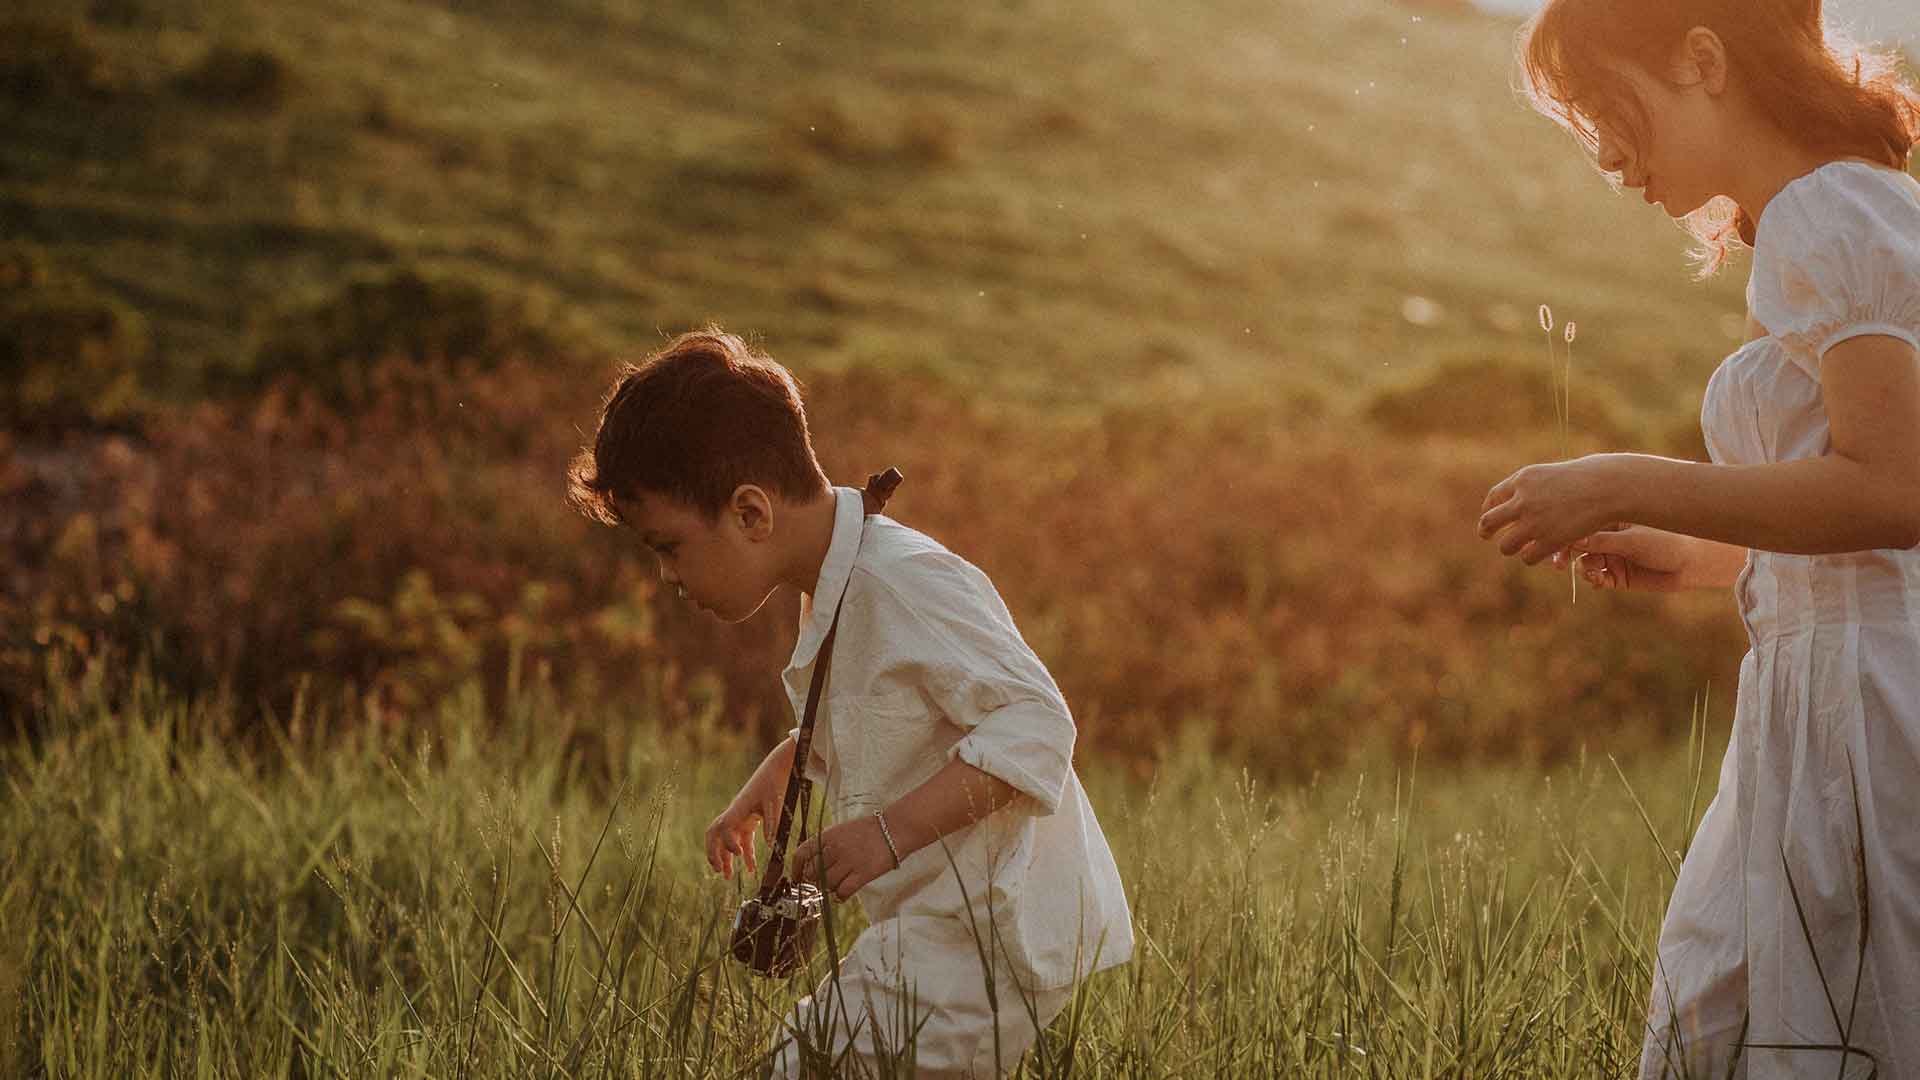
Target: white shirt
{"type": "Point", "coordinates": [928, 667]}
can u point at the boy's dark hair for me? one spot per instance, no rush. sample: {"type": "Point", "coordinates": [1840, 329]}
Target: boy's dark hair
{"type": "Point", "coordinates": [693, 422]}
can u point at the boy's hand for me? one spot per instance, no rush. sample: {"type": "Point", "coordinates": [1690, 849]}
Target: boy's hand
{"type": "Point", "coordinates": [731, 833]}
{"type": "Point", "coordinates": [845, 858]}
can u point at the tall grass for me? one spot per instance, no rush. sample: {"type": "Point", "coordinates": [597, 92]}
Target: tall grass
{"type": "Point", "coordinates": [439, 900]}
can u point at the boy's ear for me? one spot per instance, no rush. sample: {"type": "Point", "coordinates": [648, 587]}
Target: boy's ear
{"type": "Point", "coordinates": [1703, 61]}
{"type": "Point", "coordinates": [752, 509]}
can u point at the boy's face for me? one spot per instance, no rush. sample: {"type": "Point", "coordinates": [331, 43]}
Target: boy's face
{"type": "Point", "coordinates": [723, 564]}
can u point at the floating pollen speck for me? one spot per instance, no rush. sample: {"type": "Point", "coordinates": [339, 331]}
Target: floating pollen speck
{"type": "Point", "coordinates": [1421, 311]}
{"type": "Point", "coordinates": [1572, 327]}
{"type": "Point", "coordinates": [1546, 318]}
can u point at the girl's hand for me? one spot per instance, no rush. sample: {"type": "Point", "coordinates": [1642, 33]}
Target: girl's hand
{"type": "Point", "coordinates": [1542, 509]}
{"type": "Point", "coordinates": [731, 833]}
{"type": "Point", "coordinates": [1636, 558]}
{"type": "Point", "coordinates": [843, 859]}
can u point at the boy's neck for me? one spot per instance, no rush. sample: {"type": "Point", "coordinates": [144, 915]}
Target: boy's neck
{"type": "Point", "coordinates": [812, 534]}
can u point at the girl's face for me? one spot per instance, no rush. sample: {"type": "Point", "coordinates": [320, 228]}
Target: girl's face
{"type": "Point", "coordinates": [1679, 160]}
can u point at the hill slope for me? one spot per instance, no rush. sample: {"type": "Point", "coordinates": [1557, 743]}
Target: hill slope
{"type": "Point", "coordinates": [1175, 317]}
{"type": "Point", "coordinates": [1052, 202]}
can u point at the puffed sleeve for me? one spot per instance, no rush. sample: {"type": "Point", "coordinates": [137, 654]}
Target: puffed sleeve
{"type": "Point", "coordinates": [1838, 257]}
{"type": "Point", "coordinates": [952, 638]}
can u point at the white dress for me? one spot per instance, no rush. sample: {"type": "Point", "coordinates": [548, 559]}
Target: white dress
{"type": "Point", "coordinates": [1819, 794]}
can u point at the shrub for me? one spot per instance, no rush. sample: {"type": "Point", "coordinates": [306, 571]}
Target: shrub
{"type": "Point", "coordinates": [824, 126]}
{"type": "Point", "coordinates": [23, 268]}
{"type": "Point", "coordinates": [41, 59]}
{"type": "Point", "coordinates": [929, 137]}
{"type": "Point", "coordinates": [238, 77]}
{"type": "Point", "coordinates": [425, 318]}
{"type": "Point", "coordinates": [1291, 592]}
{"type": "Point", "coordinates": [125, 13]}
{"type": "Point", "coordinates": [1498, 400]}
{"type": "Point", "coordinates": [68, 592]}
{"type": "Point", "coordinates": [67, 354]}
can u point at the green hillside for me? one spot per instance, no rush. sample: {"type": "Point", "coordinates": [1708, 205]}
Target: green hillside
{"type": "Point", "coordinates": [1202, 328]}
{"type": "Point", "coordinates": [1044, 201]}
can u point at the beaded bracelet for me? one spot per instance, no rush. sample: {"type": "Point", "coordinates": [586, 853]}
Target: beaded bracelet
{"type": "Point", "coordinates": [887, 835]}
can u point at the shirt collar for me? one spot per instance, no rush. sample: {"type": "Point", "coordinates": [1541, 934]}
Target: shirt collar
{"type": "Point", "coordinates": [816, 611]}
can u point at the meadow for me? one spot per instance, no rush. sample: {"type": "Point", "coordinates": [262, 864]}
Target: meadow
{"type": "Point", "coordinates": [454, 900]}
{"type": "Point", "coordinates": [1202, 333]}
{"type": "Point", "coordinates": [332, 742]}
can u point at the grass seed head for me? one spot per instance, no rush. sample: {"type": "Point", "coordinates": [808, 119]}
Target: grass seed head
{"type": "Point", "coordinates": [1546, 318]}
{"type": "Point", "coordinates": [1572, 328]}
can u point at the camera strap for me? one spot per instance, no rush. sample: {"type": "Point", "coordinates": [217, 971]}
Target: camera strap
{"type": "Point", "coordinates": [879, 488]}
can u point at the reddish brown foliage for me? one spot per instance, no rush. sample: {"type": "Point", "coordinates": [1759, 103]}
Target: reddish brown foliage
{"type": "Point", "coordinates": [1298, 593]}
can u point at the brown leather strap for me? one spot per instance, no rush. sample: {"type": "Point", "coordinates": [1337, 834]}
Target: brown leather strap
{"type": "Point", "coordinates": [880, 488]}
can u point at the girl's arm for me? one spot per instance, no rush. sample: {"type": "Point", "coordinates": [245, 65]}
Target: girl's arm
{"type": "Point", "coordinates": [1638, 559]}
{"type": "Point", "coordinates": [1864, 494]}
{"type": "Point", "coordinates": [846, 857]}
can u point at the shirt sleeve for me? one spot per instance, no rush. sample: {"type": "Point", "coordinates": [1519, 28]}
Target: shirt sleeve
{"type": "Point", "coordinates": [816, 767]}
{"type": "Point", "coordinates": [951, 636]}
{"type": "Point", "coordinates": [1838, 257]}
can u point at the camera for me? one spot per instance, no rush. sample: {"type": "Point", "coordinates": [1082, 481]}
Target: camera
{"type": "Point", "coordinates": [773, 932]}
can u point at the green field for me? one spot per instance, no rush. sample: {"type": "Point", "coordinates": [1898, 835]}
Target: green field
{"type": "Point", "coordinates": [450, 901]}
{"type": "Point", "coordinates": [1058, 260]}
{"type": "Point", "coordinates": [1049, 202]}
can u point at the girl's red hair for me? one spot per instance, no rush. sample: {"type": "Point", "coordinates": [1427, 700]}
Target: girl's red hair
{"type": "Point", "coordinates": [1833, 97]}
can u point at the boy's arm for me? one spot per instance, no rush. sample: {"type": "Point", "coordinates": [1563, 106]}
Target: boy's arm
{"type": "Point", "coordinates": [758, 802]}
{"type": "Point", "coordinates": [951, 799]}
{"type": "Point", "coordinates": [845, 858]}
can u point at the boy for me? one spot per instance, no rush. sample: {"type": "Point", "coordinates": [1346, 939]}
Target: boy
{"type": "Point", "coordinates": [945, 747]}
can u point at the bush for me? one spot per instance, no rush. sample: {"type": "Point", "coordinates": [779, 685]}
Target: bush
{"type": "Point", "coordinates": [929, 137]}
{"type": "Point", "coordinates": [426, 319]}
{"type": "Point", "coordinates": [1314, 594]}
{"type": "Point", "coordinates": [403, 548]}
{"type": "Point", "coordinates": [1288, 592]}
{"type": "Point", "coordinates": [239, 77]}
{"type": "Point", "coordinates": [23, 268]}
{"type": "Point", "coordinates": [1493, 399]}
{"type": "Point", "coordinates": [124, 14]}
{"type": "Point", "coordinates": [68, 594]}
{"type": "Point", "coordinates": [40, 59]}
{"type": "Point", "coordinates": [824, 126]}
{"type": "Point", "coordinates": [67, 354]}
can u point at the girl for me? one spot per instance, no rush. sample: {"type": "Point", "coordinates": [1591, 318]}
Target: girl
{"type": "Point", "coordinates": [1790, 943]}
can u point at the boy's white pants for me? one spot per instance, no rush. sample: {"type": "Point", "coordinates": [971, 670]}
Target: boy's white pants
{"type": "Point", "coordinates": [914, 980]}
